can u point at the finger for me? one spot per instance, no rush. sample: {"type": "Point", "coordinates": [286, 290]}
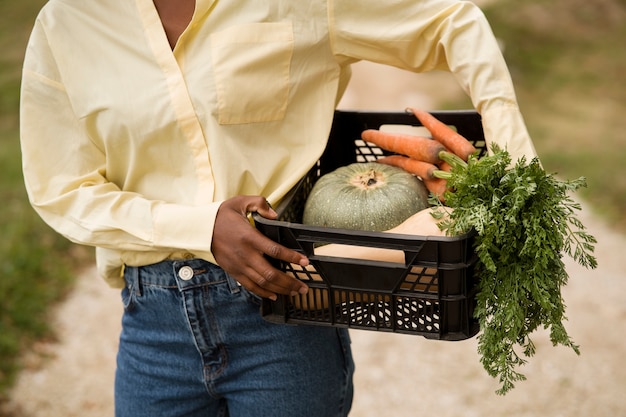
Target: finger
{"type": "Point", "coordinates": [253, 287]}
{"type": "Point", "coordinates": [278, 251]}
{"type": "Point", "coordinates": [263, 207]}
{"type": "Point", "coordinates": [266, 276]}
{"type": "Point", "coordinates": [268, 246]}
{"type": "Point", "coordinates": [270, 281]}
{"type": "Point", "coordinates": [275, 280]}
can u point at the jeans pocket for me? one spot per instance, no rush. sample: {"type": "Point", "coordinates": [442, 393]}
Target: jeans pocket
{"type": "Point", "coordinates": [128, 298]}
{"type": "Point", "coordinates": [129, 292]}
{"type": "Point", "coordinates": [251, 67]}
{"type": "Point", "coordinates": [251, 297]}
{"type": "Point", "coordinates": [349, 368]}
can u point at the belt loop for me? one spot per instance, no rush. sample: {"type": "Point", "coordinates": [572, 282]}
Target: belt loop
{"type": "Point", "coordinates": [233, 284]}
{"type": "Point", "coordinates": [131, 274]}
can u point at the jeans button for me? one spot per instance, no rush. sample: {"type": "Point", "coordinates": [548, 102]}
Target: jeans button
{"type": "Point", "coordinates": [185, 273]}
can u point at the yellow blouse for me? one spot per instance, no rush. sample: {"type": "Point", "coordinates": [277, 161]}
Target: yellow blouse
{"type": "Point", "coordinates": [130, 147]}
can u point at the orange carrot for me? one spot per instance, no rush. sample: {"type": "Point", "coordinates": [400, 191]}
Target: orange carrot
{"type": "Point", "coordinates": [437, 187]}
{"type": "Point", "coordinates": [441, 132]}
{"type": "Point", "coordinates": [416, 147]}
{"type": "Point", "coordinates": [422, 169]}
{"type": "Point", "coordinates": [444, 166]}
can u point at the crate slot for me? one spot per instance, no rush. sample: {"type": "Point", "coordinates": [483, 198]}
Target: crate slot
{"type": "Point", "coordinates": [365, 310]}
{"type": "Point", "coordinates": [366, 151]}
{"type": "Point", "coordinates": [420, 280]}
{"type": "Point", "coordinates": [406, 129]}
{"type": "Point", "coordinates": [415, 314]}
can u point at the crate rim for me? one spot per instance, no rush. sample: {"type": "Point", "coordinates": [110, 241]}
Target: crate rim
{"type": "Point", "coordinates": [336, 232]}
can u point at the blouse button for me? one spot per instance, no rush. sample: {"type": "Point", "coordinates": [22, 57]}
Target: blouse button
{"type": "Point", "coordinates": [185, 273]}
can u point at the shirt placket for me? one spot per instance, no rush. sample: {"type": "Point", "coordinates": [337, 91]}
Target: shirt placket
{"type": "Point", "coordinates": [180, 99]}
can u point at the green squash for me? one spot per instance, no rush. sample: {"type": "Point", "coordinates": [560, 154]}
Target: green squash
{"type": "Point", "coordinates": [365, 196]}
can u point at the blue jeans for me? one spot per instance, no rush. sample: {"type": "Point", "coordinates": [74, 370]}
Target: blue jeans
{"type": "Point", "coordinates": [194, 344]}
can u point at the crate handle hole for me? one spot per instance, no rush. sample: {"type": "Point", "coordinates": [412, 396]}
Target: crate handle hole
{"type": "Point", "coordinates": [338, 250]}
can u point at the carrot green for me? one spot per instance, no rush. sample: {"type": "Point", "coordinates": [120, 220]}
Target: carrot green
{"type": "Point", "coordinates": [526, 222]}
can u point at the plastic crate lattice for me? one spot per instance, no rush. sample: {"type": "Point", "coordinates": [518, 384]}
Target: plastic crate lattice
{"type": "Point", "coordinates": [432, 294]}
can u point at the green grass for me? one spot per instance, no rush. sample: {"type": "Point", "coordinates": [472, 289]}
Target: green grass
{"type": "Point", "coordinates": [36, 265]}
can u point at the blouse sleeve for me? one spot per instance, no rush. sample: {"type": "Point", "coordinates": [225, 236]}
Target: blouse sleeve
{"type": "Point", "coordinates": [66, 180]}
{"type": "Point", "coordinates": [444, 35]}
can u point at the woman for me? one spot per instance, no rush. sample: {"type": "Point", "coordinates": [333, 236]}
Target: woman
{"type": "Point", "coordinates": [150, 129]}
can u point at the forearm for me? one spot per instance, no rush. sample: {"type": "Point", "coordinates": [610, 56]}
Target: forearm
{"type": "Point", "coordinates": [437, 35]}
{"type": "Point", "coordinates": [103, 216]}
{"type": "Point", "coordinates": [65, 174]}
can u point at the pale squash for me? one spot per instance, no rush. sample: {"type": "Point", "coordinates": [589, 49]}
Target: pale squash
{"type": "Point", "coordinates": [419, 224]}
{"type": "Point", "coordinates": [365, 196]}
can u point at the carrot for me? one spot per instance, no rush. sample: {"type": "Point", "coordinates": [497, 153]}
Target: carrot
{"type": "Point", "coordinates": [422, 169]}
{"type": "Point", "coordinates": [416, 147]}
{"type": "Point", "coordinates": [444, 166]}
{"type": "Point", "coordinates": [442, 133]}
{"type": "Point", "coordinates": [437, 187]}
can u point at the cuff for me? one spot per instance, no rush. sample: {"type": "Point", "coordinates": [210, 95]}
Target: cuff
{"type": "Point", "coordinates": [187, 228]}
{"type": "Point", "coordinates": [504, 126]}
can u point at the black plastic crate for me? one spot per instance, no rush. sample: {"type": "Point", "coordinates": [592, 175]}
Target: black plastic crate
{"type": "Point", "coordinates": [431, 294]}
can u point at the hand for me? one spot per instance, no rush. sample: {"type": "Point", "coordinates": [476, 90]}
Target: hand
{"type": "Point", "coordinates": [239, 249]}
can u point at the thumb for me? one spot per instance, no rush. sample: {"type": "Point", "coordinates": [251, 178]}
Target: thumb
{"type": "Point", "coordinates": [265, 209]}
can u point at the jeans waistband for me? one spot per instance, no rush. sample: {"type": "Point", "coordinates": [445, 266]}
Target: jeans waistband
{"type": "Point", "coordinates": [182, 274]}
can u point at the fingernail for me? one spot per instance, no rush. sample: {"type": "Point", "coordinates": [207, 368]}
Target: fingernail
{"type": "Point", "coordinates": [273, 297]}
{"type": "Point", "coordinates": [304, 290]}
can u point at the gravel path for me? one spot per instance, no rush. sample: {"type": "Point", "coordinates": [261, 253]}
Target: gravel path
{"type": "Point", "coordinates": [397, 375]}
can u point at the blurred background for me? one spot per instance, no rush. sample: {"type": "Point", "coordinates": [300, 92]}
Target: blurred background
{"type": "Point", "coordinates": [568, 62]}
